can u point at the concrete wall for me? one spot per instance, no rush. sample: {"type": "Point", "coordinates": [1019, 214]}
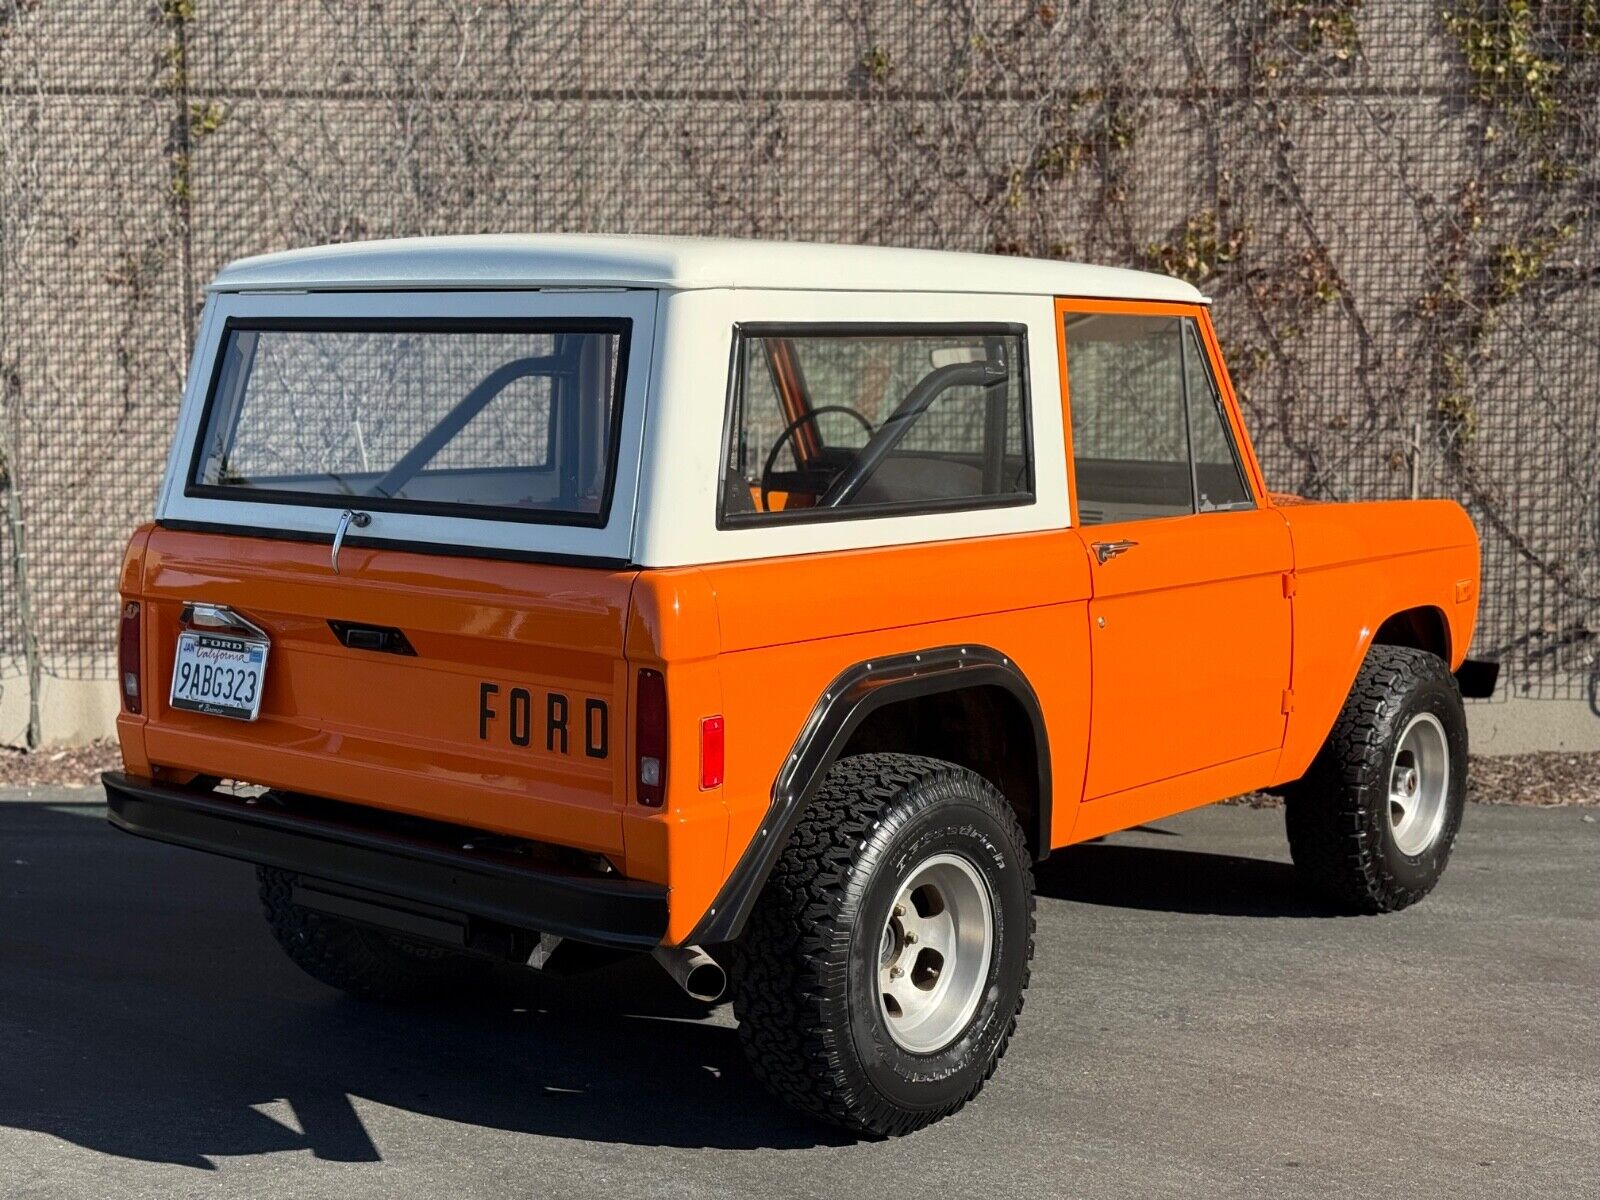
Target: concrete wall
{"type": "Point", "coordinates": [72, 712]}
{"type": "Point", "coordinates": [1407, 280]}
{"type": "Point", "coordinates": [76, 711]}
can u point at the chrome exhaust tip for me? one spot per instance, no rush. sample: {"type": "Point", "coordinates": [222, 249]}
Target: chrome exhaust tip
{"type": "Point", "coordinates": [695, 971]}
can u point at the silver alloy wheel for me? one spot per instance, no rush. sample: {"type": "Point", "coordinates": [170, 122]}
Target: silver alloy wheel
{"type": "Point", "coordinates": [1419, 784]}
{"type": "Point", "coordinates": [933, 957]}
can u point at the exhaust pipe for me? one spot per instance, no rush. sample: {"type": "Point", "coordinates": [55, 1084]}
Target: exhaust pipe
{"type": "Point", "coordinates": [692, 969]}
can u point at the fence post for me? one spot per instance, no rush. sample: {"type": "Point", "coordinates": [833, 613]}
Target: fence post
{"type": "Point", "coordinates": [18, 567]}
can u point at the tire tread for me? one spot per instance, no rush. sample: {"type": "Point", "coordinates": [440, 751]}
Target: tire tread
{"type": "Point", "coordinates": [1332, 815]}
{"type": "Point", "coordinates": [788, 976]}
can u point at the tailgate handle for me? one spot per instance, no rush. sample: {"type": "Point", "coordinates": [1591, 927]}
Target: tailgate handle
{"type": "Point", "coordinates": [383, 638]}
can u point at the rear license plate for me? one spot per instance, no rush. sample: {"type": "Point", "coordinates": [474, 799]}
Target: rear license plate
{"type": "Point", "coordinates": [219, 675]}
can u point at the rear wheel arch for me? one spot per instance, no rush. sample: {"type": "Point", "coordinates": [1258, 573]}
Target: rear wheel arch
{"type": "Point", "coordinates": [985, 727]}
{"type": "Point", "coordinates": [861, 711]}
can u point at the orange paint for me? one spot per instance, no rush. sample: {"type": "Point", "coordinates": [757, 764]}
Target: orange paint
{"type": "Point", "coordinates": [1209, 659]}
{"type": "Point", "coordinates": [1191, 646]}
{"type": "Point", "coordinates": [393, 731]}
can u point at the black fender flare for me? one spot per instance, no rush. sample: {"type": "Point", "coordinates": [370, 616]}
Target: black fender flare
{"type": "Point", "coordinates": [855, 694]}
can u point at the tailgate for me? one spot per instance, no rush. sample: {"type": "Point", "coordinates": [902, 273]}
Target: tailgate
{"type": "Point", "coordinates": [507, 714]}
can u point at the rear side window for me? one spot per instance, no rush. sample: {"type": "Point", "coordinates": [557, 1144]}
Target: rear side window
{"type": "Point", "coordinates": [834, 422]}
{"type": "Point", "coordinates": [497, 419]}
{"type": "Point", "coordinates": [1149, 434]}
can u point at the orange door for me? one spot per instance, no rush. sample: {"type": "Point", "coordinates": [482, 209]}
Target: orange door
{"type": "Point", "coordinates": [1189, 622]}
{"type": "Point", "coordinates": [1189, 644]}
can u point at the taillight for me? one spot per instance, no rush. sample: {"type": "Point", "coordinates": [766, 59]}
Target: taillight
{"type": "Point", "coordinates": [650, 740]}
{"type": "Point", "coordinates": [128, 656]}
{"type": "Point", "coordinates": [711, 752]}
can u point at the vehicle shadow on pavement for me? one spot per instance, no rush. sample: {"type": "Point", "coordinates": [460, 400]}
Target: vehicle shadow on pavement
{"type": "Point", "coordinates": [146, 1012]}
{"type": "Point", "coordinates": [1168, 879]}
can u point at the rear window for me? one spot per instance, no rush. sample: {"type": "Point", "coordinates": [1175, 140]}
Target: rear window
{"type": "Point", "coordinates": [515, 420]}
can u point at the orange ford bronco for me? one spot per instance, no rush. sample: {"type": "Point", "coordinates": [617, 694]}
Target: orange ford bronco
{"type": "Point", "coordinates": [768, 608]}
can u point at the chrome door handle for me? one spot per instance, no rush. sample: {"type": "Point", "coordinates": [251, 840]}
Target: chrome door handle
{"type": "Point", "coordinates": [1106, 551]}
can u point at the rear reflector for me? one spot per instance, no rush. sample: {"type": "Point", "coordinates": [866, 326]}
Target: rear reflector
{"type": "Point", "coordinates": [128, 655]}
{"type": "Point", "coordinates": [651, 738]}
{"type": "Point", "coordinates": [711, 752]}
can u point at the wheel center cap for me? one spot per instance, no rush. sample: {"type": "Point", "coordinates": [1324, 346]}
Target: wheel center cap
{"type": "Point", "coordinates": [893, 939]}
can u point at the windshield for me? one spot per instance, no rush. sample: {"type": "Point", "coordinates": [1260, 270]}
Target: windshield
{"type": "Point", "coordinates": [488, 418]}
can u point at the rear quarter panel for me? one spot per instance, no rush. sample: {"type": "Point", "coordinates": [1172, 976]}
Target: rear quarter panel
{"type": "Point", "coordinates": [787, 627]}
{"type": "Point", "coordinates": [1355, 566]}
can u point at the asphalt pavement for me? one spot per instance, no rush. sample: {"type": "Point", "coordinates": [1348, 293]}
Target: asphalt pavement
{"type": "Point", "coordinates": [1195, 1027]}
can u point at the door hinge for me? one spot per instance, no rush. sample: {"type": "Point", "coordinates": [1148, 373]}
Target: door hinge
{"type": "Point", "coordinates": [1288, 700]}
{"type": "Point", "coordinates": [1288, 584]}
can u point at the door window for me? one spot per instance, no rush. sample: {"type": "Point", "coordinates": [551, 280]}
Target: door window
{"type": "Point", "coordinates": [1219, 481]}
{"type": "Point", "coordinates": [1149, 435]}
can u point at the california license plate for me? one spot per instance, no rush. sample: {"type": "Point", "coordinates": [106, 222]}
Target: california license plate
{"type": "Point", "coordinates": [219, 675]}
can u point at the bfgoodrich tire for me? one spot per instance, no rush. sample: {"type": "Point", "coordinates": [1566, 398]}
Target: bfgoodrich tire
{"type": "Point", "coordinates": [367, 963]}
{"type": "Point", "coordinates": [879, 978]}
{"type": "Point", "coordinates": [1372, 824]}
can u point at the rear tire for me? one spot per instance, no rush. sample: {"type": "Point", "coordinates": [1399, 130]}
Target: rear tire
{"type": "Point", "coordinates": [367, 963]}
{"type": "Point", "coordinates": [1372, 824]}
{"type": "Point", "coordinates": [879, 979]}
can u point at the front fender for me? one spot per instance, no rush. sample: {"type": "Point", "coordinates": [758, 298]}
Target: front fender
{"type": "Point", "coordinates": [1356, 565]}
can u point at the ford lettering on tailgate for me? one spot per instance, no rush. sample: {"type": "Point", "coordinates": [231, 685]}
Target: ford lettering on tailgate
{"type": "Point", "coordinates": [525, 717]}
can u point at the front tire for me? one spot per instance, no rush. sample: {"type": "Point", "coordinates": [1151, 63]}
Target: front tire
{"type": "Point", "coordinates": [1372, 824]}
{"type": "Point", "coordinates": [880, 976]}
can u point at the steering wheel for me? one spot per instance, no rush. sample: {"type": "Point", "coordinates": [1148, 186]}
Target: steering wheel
{"type": "Point", "coordinates": [986, 373]}
{"type": "Point", "coordinates": [789, 431]}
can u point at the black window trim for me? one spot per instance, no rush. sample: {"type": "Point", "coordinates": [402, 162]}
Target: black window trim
{"type": "Point", "coordinates": [1219, 403]}
{"type": "Point", "coordinates": [1189, 328]}
{"type": "Point", "coordinates": [622, 327]}
{"type": "Point", "coordinates": [745, 331]}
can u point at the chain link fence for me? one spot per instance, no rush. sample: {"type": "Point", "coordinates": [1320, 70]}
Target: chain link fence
{"type": "Point", "coordinates": [1393, 203]}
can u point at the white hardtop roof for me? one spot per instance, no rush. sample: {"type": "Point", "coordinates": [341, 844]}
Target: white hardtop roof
{"type": "Point", "coordinates": [593, 260]}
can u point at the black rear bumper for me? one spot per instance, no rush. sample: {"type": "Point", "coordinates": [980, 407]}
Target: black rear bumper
{"type": "Point", "coordinates": [411, 870]}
